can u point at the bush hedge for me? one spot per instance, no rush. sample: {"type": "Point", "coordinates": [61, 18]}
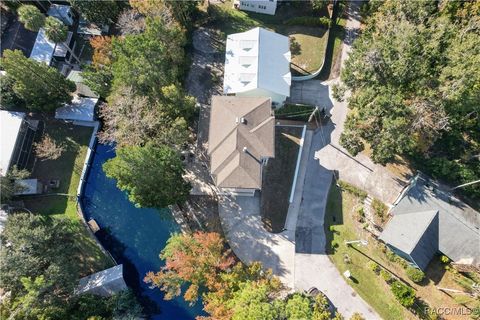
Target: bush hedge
{"type": "Point", "coordinates": [352, 189]}
{"type": "Point", "coordinates": [309, 22]}
{"type": "Point", "coordinates": [415, 274]}
{"type": "Point", "coordinates": [404, 294]}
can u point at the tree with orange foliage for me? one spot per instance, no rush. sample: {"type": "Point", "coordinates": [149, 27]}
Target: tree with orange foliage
{"type": "Point", "coordinates": [102, 51]}
{"type": "Point", "coordinates": [197, 259]}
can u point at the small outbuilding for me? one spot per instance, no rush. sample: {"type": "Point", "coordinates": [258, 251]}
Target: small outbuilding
{"type": "Point", "coordinates": [428, 220]}
{"type": "Point", "coordinates": [80, 109]}
{"type": "Point", "coordinates": [104, 283]}
{"type": "Point", "coordinates": [62, 12]}
{"type": "Point", "coordinates": [26, 187]}
{"type": "Point", "coordinates": [82, 89]}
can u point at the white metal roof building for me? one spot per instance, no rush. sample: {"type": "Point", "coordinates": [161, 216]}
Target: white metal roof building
{"type": "Point", "coordinates": [257, 64]}
{"type": "Point", "coordinates": [10, 127]}
{"type": "Point", "coordinates": [44, 50]}
{"type": "Point", "coordinates": [103, 283]}
{"type": "Point", "coordinates": [81, 109]}
{"type": "Point", "coordinates": [260, 6]}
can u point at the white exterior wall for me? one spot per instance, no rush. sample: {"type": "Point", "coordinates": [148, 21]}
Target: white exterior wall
{"type": "Point", "coordinates": [260, 6]}
{"type": "Point", "coordinates": [277, 99]}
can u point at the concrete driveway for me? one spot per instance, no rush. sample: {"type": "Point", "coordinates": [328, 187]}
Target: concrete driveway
{"type": "Point", "coordinates": [243, 228]}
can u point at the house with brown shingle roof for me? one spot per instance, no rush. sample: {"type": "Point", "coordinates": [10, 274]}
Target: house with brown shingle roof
{"type": "Point", "coordinates": [241, 140]}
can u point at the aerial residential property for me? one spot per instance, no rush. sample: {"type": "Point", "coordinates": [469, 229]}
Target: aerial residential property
{"type": "Point", "coordinates": [240, 159]}
{"type": "Point", "coordinates": [257, 64]}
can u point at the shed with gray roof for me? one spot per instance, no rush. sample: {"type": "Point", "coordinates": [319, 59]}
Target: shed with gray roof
{"type": "Point", "coordinates": [427, 220]}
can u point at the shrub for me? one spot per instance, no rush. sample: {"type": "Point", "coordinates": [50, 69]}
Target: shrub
{"type": "Point", "coordinates": [404, 294]}
{"type": "Point", "coordinates": [309, 22]}
{"type": "Point", "coordinates": [385, 275]}
{"type": "Point", "coordinates": [338, 92]}
{"type": "Point", "coordinates": [415, 274]}
{"type": "Point", "coordinates": [372, 265]}
{"type": "Point", "coordinates": [352, 190]}
{"type": "Point", "coordinates": [352, 142]}
{"type": "Point", "coordinates": [379, 208]}
{"type": "Point", "coordinates": [444, 259]}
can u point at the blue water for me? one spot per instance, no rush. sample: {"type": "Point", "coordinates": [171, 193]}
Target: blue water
{"type": "Point", "coordinates": [134, 236]}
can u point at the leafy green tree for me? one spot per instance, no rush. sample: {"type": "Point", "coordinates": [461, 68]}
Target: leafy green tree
{"type": "Point", "coordinates": [55, 30]}
{"type": "Point", "coordinates": [404, 294]}
{"type": "Point", "coordinates": [151, 175]}
{"type": "Point", "coordinates": [254, 301]}
{"type": "Point", "coordinates": [150, 60]}
{"type": "Point", "coordinates": [8, 98]}
{"type": "Point", "coordinates": [299, 306]}
{"type": "Point", "coordinates": [98, 79]}
{"type": "Point", "coordinates": [39, 264]}
{"type": "Point", "coordinates": [41, 87]}
{"type": "Point", "coordinates": [411, 92]}
{"type": "Point", "coordinates": [415, 274]}
{"type": "Point", "coordinates": [7, 183]}
{"type": "Point", "coordinates": [105, 11]}
{"type": "Point", "coordinates": [31, 17]}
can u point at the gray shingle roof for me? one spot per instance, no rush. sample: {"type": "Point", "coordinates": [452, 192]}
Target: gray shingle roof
{"type": "Point", "coordinates": [458, 224]}
{"type": "Point", "coordinates": [228, 136]}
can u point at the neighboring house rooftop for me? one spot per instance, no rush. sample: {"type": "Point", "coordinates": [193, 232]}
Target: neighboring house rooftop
{"type": "Point", "coordinates": [257, 59]}
{"type": "Point", "coordinates": [429, 219]}
{"type": "Point", "coordinates": [82, 89]}
{"type": "Point", "coordinates": [61, 12]}
{"type": "Point", "coordinates": [237, 123]}
{"type": "Point", "coordinates": [10, 126]}
{"type": "Point", "coordinates": [103, 283]}
{"type": "Point", "coordinates": [81, 109]}
{"type": "Point", "coordinates": [44, 50]}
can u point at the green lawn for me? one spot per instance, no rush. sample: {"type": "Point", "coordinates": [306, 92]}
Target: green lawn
{"type": "Point", "coordinates": [67, 169]}
{"type": "Point", "coordinates": [308, 43]}
{"type": "Point", "coordinates": [342, 224]}
{"type": "Point", "coordinates": [278, 177]}
{"type": "Point", "coordinates": [339, 215]}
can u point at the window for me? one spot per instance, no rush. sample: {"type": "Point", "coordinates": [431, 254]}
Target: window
{"type": "Point", "coordinates": [262, 7]}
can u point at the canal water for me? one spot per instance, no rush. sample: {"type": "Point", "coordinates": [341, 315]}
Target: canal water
{"type": "Point", "coordinates": [134, 237]}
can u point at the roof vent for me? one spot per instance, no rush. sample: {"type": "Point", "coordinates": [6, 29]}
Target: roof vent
{"type": "Point", "coordinates": [243, 120]}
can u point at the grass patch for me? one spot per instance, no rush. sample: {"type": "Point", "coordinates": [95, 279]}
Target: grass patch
{"type": "Point", "coordinates": [62, 204]}
{"type": "Point", "coordinates": [308, 43]}
{"type": "Point", "coordinates": [370, 278]}
{"type": "Point", "coordinates": [278, 177]}
{"type": "Point", "coordinates": [340, 227]}
{"type": "Point", "coordinates": [350, 188]}
{"type": "Point", "coordinates": [296, 112]}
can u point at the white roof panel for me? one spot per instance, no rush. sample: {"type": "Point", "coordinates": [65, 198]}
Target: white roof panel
{"type": "Point", "coordinates": [260, 52]}
{"type": "Point", "coordinates": [61, 48]}
{"type": "Point", "coordinates": [10, 125]}
{"type": "Point", "coordinates": [43, 48]}
{"type": "Point", "coordinates": [81, 109]}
